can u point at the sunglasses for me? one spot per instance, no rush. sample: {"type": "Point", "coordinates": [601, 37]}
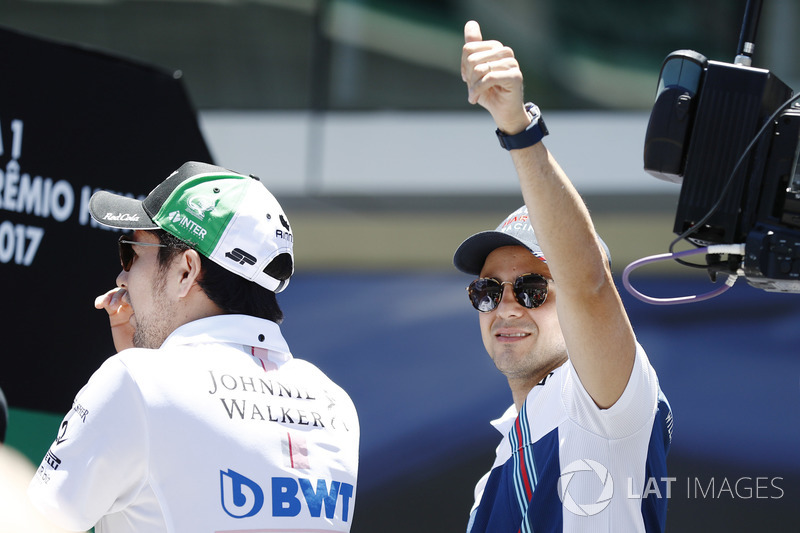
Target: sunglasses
{"type": "Point", "coordinates": [530, 290]}
{"type": "Point", "coordinates": [126, 253]}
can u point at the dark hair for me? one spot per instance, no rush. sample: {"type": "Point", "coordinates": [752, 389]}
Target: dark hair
{"type": "Point", "coordinates": [232, 293]}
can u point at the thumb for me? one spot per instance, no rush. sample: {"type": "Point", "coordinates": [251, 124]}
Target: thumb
{"type": "Point", "coordinates": [472, 32]}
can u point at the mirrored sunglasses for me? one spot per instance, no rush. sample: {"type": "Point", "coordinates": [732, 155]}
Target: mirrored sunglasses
{"type": "Point", "coordinates": [530, 290]}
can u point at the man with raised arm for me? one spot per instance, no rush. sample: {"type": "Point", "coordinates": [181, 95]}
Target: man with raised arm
{"type": "Point", "coordinates": [584, 445]}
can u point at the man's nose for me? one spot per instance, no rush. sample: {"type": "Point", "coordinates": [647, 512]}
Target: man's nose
{"type": "Point", "coordinates": [508, 305]}
{"type": "Point", "coordinates": [122, 279]}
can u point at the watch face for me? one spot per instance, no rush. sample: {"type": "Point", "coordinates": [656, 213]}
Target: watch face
{"type": "Point", "coordinates": [533, 111]}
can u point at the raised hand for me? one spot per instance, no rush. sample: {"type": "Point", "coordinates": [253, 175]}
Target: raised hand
{"type": "Point", "coordinates": [494, 79]}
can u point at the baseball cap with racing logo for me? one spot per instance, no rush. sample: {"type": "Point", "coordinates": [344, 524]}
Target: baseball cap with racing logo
{"type": "Point", "coordinates": [228, 217]}
{"type": "Point", "coordinates": [514, 230]}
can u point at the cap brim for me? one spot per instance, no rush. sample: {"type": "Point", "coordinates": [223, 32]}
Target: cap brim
{"type": "Point", "coordinates": [119, 211]}
{"type": "Point", "coordinates": [472, 253]}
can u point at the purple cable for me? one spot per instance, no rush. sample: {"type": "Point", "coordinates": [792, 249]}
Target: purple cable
{"type": "Point", "coordinates": [729, 249]}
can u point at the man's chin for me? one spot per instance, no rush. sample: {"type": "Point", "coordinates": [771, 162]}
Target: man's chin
{"type": "Point", "coordinates": [509, 361]}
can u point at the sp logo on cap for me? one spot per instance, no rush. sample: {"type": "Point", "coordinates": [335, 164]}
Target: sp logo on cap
{"type": "Point", "coordinates": [241, 257]}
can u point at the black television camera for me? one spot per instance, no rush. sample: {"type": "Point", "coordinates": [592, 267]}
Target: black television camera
{"type": "Point", "coordinates": [729, 134]}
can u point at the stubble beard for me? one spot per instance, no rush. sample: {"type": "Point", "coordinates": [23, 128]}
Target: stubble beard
{"type": "Point", "coordinates": [531, 364]}
{"type": "Point", "coordinates": [152, 330]}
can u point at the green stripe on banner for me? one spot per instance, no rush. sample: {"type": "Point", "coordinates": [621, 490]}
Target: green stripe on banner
{"type": "Point", "coordinates": [32, 432]}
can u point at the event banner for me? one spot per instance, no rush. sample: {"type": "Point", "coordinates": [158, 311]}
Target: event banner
{"type": "Point", "coordinates": [72, 121]}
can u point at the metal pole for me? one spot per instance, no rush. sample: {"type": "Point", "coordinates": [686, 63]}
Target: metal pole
{"type": "Point", "coordinates": [747, 37]}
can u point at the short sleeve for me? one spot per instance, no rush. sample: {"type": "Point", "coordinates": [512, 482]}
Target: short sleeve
{"type": "Point", "coordinates": [631, 412]}
{"type": "Point", "coordinates": [98, 461]}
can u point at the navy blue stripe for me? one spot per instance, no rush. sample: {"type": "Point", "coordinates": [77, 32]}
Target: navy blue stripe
{"type": "Point", "coordinates": [654, 504]}
{"type": "Point", "coordinates": [544, 512]}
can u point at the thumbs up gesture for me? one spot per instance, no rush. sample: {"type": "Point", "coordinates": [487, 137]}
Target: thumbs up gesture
{"type": "Point", "coordinates": [494, 79]}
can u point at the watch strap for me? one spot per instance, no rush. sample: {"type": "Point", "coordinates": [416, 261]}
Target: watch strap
{"type": "Point", "coordinates": [535, 132]}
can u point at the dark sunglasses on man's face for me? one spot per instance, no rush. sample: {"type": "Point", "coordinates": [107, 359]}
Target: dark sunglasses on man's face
{"type": "Point", "coordinates": [530, 291]}
{"type": "Point", "coordinates": [126, 253]}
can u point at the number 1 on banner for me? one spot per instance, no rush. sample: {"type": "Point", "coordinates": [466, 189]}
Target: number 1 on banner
{"type": "Point", "coordinates": [16, 139]}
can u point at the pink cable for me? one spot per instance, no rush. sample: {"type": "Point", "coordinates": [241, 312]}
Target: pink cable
{"type": "Point", "coordinates": [737, 249]}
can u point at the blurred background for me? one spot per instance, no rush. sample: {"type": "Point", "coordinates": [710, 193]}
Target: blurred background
{"type": "Point", "coordinates": [354, 114]}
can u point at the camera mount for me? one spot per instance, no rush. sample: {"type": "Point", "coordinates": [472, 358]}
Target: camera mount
{"type": "Point", "coordinates": [729, 134]}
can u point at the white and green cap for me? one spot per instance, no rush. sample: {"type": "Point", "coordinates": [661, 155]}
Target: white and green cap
{"type": "Point", "coordinates": [228, 217]}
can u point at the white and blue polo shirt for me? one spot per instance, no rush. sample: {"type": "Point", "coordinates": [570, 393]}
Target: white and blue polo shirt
{"type": "Point", "coordinates": [566, 465]}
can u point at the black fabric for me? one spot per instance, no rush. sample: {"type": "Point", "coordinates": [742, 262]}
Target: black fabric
{"type": "Point", "coordinates": [72, 121]}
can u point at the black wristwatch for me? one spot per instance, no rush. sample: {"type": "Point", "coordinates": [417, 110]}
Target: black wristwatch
{"type": "Point", "coordinates": [531, 135]}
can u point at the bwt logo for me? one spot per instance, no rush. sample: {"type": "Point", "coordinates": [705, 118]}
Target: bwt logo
{"type": "Point", "coordinates": [242, 497]}
{"type": "Point", "coordinates": [588, 466]}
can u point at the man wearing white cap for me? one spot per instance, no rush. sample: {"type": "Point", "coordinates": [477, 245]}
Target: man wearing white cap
{"type": "Point", "coordinates": [584, 445]}
{"type": "Point", "coordinates": [203, 421]}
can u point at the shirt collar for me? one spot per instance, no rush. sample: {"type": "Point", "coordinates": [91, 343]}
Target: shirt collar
{"type": "Point", "coordinates": [506, 420]}
{"type": "Point", "coordinates": [235, 329]}
{"type": "Point", "coordinates": [504, 423]}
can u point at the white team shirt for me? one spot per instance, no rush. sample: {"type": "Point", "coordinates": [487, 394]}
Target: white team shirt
{"type": "Point", "coordinates": [219, 430]}
{"type": "Point", "coordinates": [566, 465]}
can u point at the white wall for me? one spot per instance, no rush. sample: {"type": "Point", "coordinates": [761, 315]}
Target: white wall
{"type": "Point", "coordinates": [416, 153]}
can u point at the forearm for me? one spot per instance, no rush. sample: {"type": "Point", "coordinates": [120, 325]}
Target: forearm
{"type": "Point", "coordinates": [560, 220]}
{"type": "Point", "coordinates": [596, 328]}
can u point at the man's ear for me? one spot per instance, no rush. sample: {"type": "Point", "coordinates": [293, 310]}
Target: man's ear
{"type": "Point", "coordinates": [188, 268]}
